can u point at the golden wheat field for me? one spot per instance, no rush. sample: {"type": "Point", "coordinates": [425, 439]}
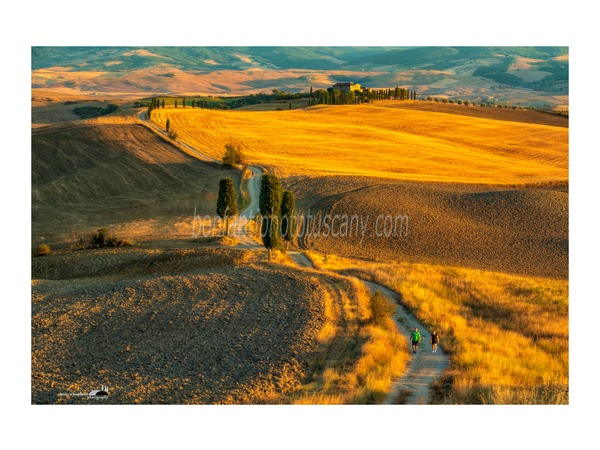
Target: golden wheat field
{"type": "Point", "coordinates": [380, 142]}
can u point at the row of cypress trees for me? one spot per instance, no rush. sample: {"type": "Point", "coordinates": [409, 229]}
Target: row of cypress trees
{"type": "Point", "coordinates": [156, 102]}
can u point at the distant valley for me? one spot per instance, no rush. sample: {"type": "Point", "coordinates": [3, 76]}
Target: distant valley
{"type": "Point", "coordinates": [524, 76]}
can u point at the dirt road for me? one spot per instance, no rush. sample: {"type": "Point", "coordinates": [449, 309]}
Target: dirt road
{"type": "Point", "coordinates": [414, 388]}
{"type": "Point", "coordinates": [425, 367]}
{"type": "Point", "coordinates": [241, 221]}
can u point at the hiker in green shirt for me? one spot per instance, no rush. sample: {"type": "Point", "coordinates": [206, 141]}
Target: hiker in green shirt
{"type": "Point", "coordinates": [415, 338]}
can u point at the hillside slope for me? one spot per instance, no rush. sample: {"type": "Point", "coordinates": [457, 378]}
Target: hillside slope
{"type": "Point", "coordinates": [523, 231]}
{"type": "Point", "coordinates": [120, 176]}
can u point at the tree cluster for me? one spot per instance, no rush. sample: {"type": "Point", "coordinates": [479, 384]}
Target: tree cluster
{"type": "Point", "coordinates": [333, 96]}
{"type": "Point", "coordinates": [87, 112]}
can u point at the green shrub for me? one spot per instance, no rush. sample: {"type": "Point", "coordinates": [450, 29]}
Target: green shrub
{"type": "Point", "coordinates": [101, 238]}
{"type": "Point", "coordinates": [42, 250]}
{"type": "Point", "coordinates": [233, 155]}
{"type": "Point", "coordinates": [382, 309]}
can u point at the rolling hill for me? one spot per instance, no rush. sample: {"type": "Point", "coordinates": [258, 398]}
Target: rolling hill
{"type": "Point", "coordinates": [378, 141]}
{"type": "Point", "coordinates": [121, 176]}
{"type": "Point", "coordinates": [470, 72]}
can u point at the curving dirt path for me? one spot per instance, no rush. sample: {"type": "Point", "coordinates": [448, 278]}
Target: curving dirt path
{"type": "Point", "coordinates": [414, 388]}
{"type": "Point", "coordinates": [241, 221]}
{"type": "Point", "coordinates": [425, 368]}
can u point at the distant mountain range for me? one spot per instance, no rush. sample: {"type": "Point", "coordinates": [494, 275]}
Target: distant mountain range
{"type": "Point", "coordinates": [458, 70]}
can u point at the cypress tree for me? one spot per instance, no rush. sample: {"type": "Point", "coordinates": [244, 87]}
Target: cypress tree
{"type": "Point", "coordinates": [288, 221]}
{"type": "Point", "coordinates": [271, 193]}
{"type": "Point", "coordinates": [226, 202]}
{"type": "Point", "coordinates": [175, 103]}
{"type": "Point", "coordinates": [168, 124]}
{"type": "Point", "coordinates": [163, 104]}
{"type": "Point", "coordinates": [150, 107]}
{"type": "Point", "coordinates": [184, 102]}
{"type": "Point", "coordinates": [193, 103]}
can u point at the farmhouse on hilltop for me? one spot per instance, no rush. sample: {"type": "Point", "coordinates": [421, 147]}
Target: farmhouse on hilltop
{"type": "Point", "coordinates": [348, 86]}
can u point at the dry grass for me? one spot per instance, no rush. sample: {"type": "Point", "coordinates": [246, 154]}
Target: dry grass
{"type": "Point", "coordinates": [381, 142]}
{"type": "Point", "coordinates": [358, 359]}
{"type": "Point", "coordinates": [508, 335]}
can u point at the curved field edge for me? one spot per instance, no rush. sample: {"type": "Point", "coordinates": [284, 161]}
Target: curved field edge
{"type": "Point", "coordinates": [381, 142]}
{"type": "Point", "coordinates": [203, 326]}
{"type": "Point", "coordinates": [507, 335]}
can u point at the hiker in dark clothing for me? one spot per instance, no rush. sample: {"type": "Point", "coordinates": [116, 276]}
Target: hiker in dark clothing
{"type": "Point", "coordinates": [415, 338]}
{"type": "Point", "coordinates": [435, 339]}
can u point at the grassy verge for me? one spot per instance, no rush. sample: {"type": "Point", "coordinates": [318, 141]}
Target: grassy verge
{"type": "Point", "coordinates": [360, 353]}
{"type": "Point", "coordinates": [507, 335]}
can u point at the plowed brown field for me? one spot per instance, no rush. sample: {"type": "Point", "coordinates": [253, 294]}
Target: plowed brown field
{"type": "Point", "coordinates": [514, 230]}
{"type": "Point", "coordinates": [199, 326]}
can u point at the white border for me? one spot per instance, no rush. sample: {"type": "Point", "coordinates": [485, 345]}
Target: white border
{"type": "Point", "coordinates": [302, 23]}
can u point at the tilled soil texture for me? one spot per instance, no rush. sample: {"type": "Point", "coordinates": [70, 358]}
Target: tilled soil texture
{"type": "Point", "coordinates": [120, 176]}
{"type": "Point", "coordinates": [177, 327]}
{"type": "Point", "coordinates": [513, 230]}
